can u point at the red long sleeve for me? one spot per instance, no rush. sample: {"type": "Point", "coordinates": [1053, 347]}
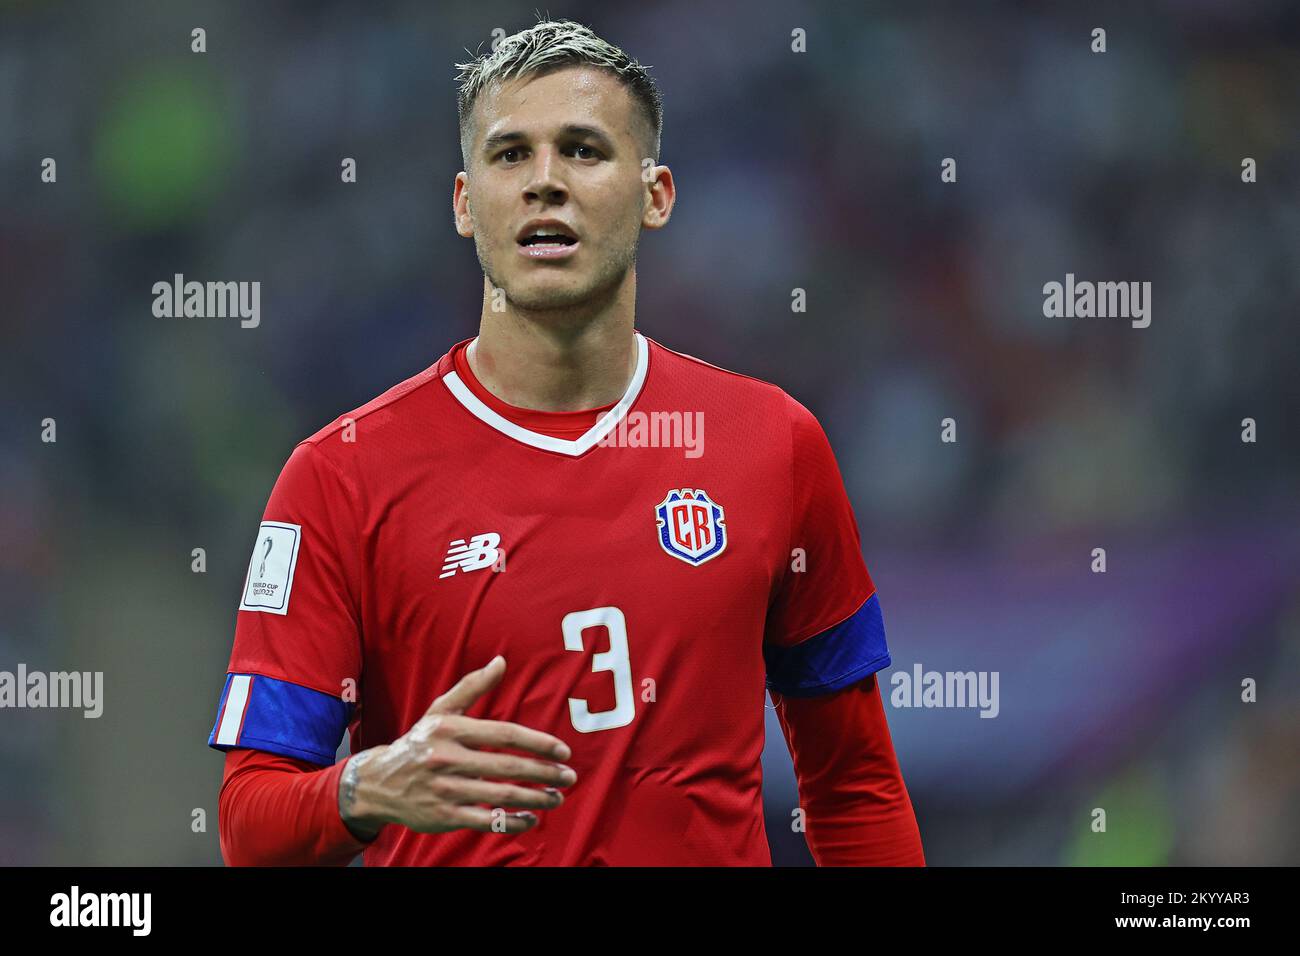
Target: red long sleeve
{"type": "Point", "coordinates": [856, 805]}
{"type": "Point", "coordinates": [280, 811]}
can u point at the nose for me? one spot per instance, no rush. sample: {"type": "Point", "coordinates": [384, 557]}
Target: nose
{"type": "Point", "coordinates": [544, 182]}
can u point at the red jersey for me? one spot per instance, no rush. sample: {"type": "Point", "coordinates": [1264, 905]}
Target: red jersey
{"type": "Point", "coordinates": [645, 580]}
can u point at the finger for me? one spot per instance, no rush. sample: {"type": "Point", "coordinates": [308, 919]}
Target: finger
{"type": "Point", "coordinates": [477, 763]}
{"type": "Point", "coordinates": [466, 790]}
{"type": "Point", "coordinates": [470, 688]}
{"type": "Point", "coordinates": [472, 732]}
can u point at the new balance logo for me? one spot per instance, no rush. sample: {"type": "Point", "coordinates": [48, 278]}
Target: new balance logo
{"type": "Point", "coordinates": [479, 552]}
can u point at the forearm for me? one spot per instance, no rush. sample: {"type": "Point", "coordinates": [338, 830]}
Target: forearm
{"type": "Point", "coordinates": [278, 811]}
{"type": "Point", "coordinates": [869, 830]}
{"type": "Point", "coordinates": [856, 807]}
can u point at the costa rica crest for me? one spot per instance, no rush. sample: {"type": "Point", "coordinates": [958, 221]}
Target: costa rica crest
{"type": "Point", "coordinates": [691, 525]}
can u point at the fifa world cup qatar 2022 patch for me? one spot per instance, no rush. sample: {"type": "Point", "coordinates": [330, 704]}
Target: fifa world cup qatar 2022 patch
{"type": "Point", "coordinates": [691, 526]}
{"type": "Point", "coordinates": [270, 570]}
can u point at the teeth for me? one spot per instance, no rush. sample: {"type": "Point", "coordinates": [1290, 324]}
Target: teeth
{"type": "Point", "coordinates": [541, 237]}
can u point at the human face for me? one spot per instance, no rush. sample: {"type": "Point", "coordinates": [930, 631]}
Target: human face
{"type": "Point", "coordinates": [564, 147]}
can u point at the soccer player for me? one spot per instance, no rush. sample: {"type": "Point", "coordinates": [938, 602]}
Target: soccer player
{"type": "Point", "coordinates": [545, 582]}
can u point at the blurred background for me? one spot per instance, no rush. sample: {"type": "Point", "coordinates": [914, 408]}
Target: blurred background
{"type": "Point", "coordinates": [816, 170]}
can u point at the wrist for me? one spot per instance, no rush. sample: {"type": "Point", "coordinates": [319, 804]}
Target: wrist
{"type": "Point", "coordinates": [356, 807]}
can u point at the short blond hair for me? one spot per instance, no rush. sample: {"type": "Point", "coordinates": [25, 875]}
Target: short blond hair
{"type": "Point", "coordinates": [549, 46]}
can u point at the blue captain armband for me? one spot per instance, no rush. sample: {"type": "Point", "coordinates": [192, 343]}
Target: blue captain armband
{"type": "Point", "coordinates": [280, 717]}
{"type": "Point", "coordinates": [832, 660]}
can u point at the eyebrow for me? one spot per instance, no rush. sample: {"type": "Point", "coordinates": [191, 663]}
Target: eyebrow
{"type": "Point", "coordinates": [569, 131]}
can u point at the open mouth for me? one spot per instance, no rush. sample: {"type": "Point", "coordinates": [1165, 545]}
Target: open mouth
{"type": "Point", "coordinates": [548, 239]}
{"type": "Point", "coordinates": [547, 245]}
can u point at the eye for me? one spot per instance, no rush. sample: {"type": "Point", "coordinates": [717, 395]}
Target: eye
{"type": "Point", "coordinates": [504, 154]}
{"type": "Point", "coordinates": [594, 153]}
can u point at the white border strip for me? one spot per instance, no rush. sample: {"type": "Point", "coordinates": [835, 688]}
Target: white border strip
{"type": "Point", "coordinates": [564, 446]}
{"type": "Point", "coordinates": [233, 716]}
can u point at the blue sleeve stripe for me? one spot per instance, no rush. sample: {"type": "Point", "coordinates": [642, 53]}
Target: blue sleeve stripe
{"type": "Point", "coordinates": [280, 717]}
{"type": "Point", "coordinates": [832, 660]}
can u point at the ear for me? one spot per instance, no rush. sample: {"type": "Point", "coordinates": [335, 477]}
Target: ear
{"type": "Point", "coordinates": [460, 205]}
{"type": "Point", "coordinates": [660, 195]}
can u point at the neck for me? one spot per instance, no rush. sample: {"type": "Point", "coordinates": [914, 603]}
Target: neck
{"type": "Point", "coordinates": [557, 361]}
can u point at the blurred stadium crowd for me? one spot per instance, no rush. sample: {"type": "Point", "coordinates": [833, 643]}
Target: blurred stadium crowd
{"type": "Point", "coordinates": [816, 170]}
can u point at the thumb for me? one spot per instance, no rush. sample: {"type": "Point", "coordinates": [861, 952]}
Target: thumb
{"type": "Point", "coordinates": [470, 688]}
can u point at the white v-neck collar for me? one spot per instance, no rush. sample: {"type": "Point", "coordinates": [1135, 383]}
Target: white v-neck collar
{"type": "Point", "coordinates": [604, 425]}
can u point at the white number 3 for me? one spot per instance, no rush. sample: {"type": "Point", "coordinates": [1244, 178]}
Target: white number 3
{"type": "Point", "coordinates": [614, 660]}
